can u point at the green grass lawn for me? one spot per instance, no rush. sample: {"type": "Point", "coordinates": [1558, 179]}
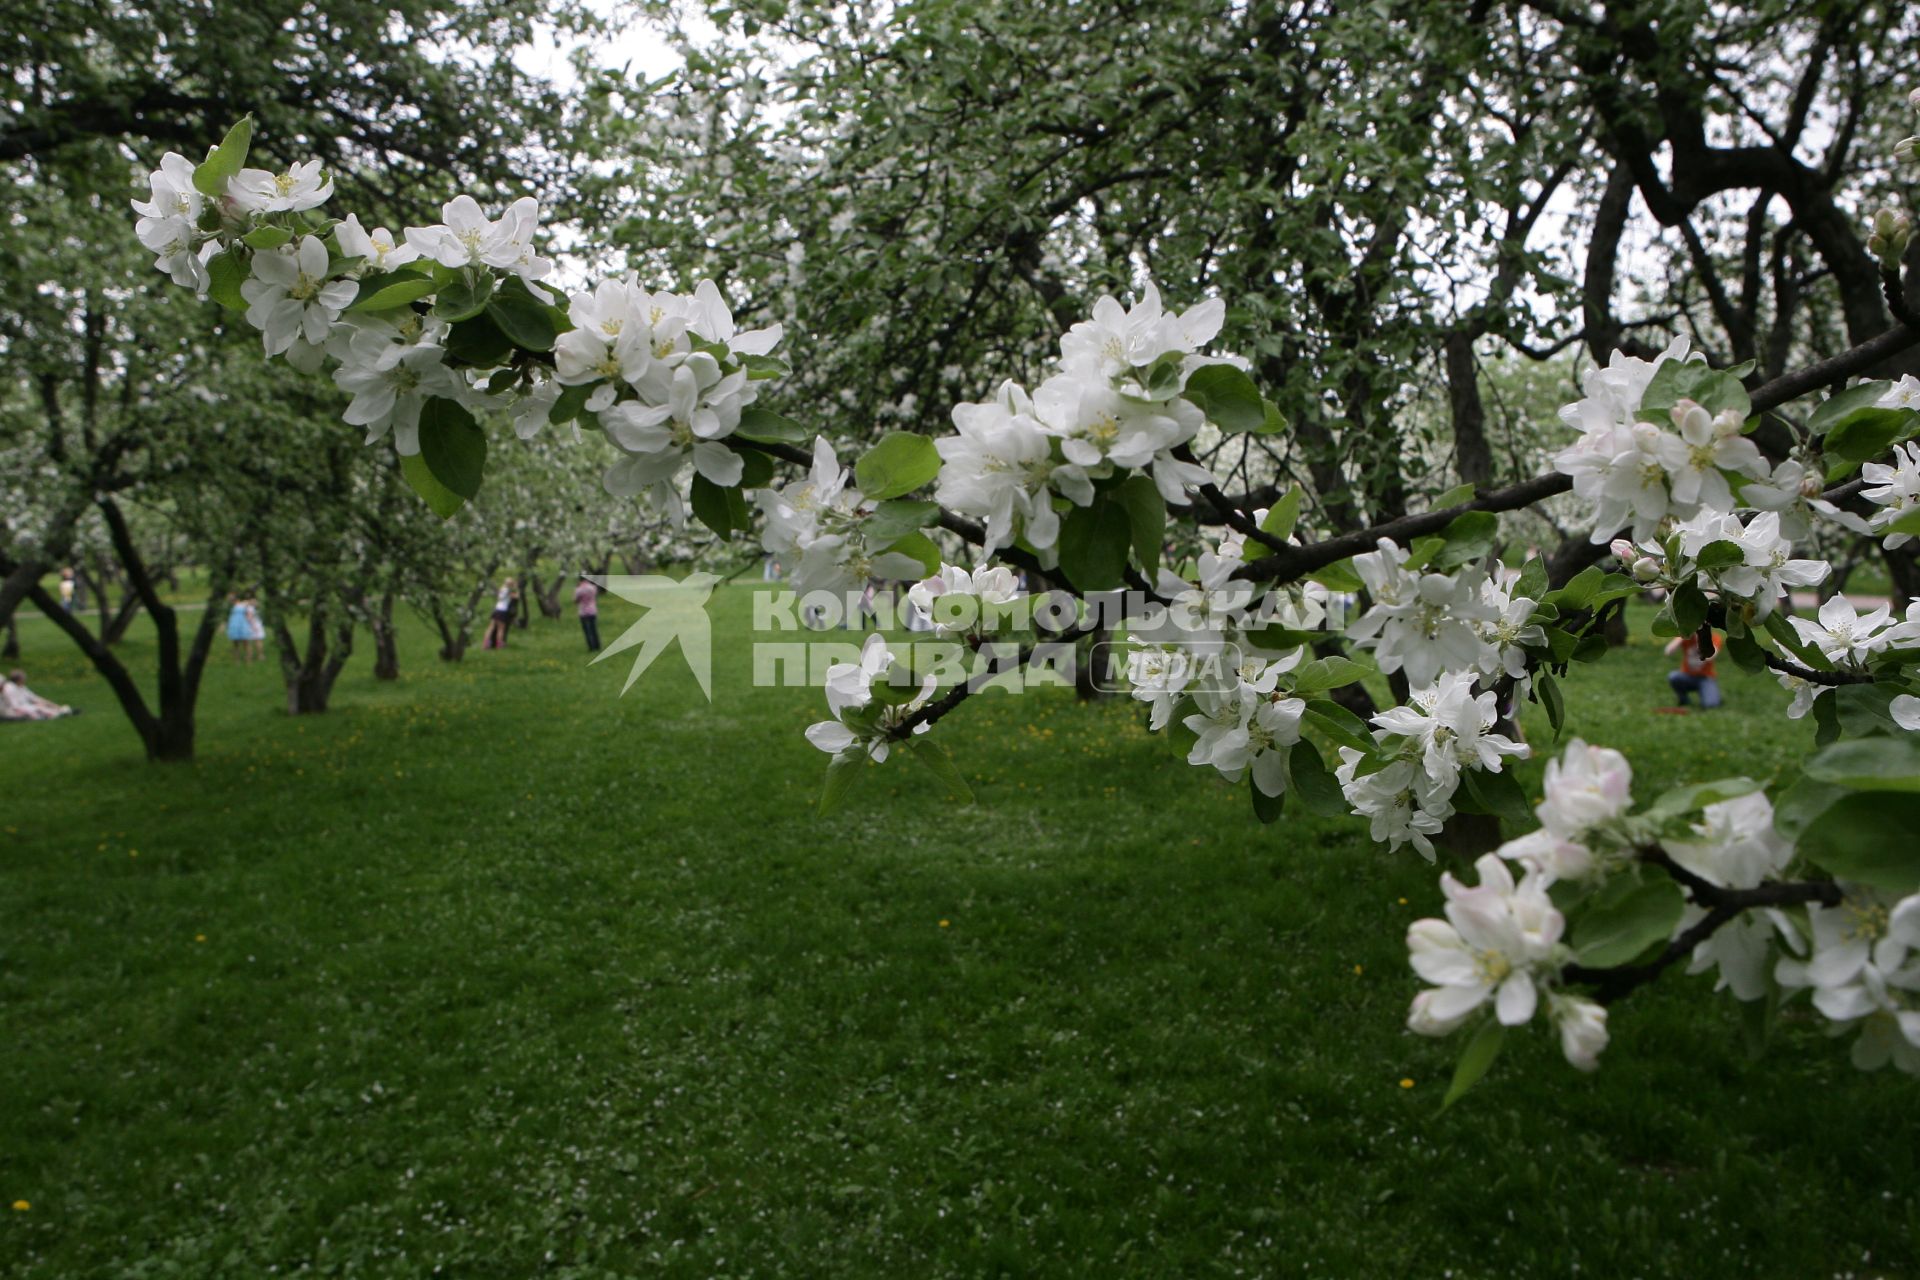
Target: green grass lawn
{"type": "Point", "coordinates": [491, 972]}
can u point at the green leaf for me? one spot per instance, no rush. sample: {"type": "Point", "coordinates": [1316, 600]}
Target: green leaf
{"type": "Point", "coordinates": [768, 427]}
{"type": "Point", "coordinates": [1273, 422]}
{"type": "Point", "coordinates": [1280, 521]}
{"type": "Point", "coordinates": [1323, 674]}
{"type": "Point", "coordinates": [920, 547]}
{"type": "Point", "coordinates": [1546, 692]}
{"type": "Point", "coordinates": [477, 341]}
{"type": "Point", "coordinates": [1469, 536]}
{"type": "Point", "coordinates": [1679, 801]}
{"type": "Point", "coordinates": [1146, 512]}
{"type": "Point", "coordinates": [526, 320]}
{"type": "Point", "coordinates": [1227, 396]}
{"type": "Point", "coordinates": [572, 400]}
{"type": "Point", "coordinates": [226, 273]}
{"type": "Point", "coordinates": [1870, 764]}
{"type": "Point", "coordinates": [1338, 576]}
{"type": "Point", "coordinates": [936, 757]}
{"type": "Point", "coordinates": [222, 162]}
{"type": "Point", "coordinates": [465, 296]}
{"type": "Point", "coordinates": [1746, 652]}
{"type": "Point", "coordinates": [1093, 544]}
{"type": "Point", "coordinates": [720, 508]}
{"type": "Point", "coordinates": [267, 237]}
{"type": "Point", "coordinates": [1712, 389]}
{"type": "Point", "coordinates": [1865, 434]}
{"type": "Point", "coordinates": [1455, 496]}
{"type": "Point", "coordinates": [1265, 807]}
{"type": "Point", "coordinates": [1800, 805]}
{"type": "Point", "coordinates": [441, 500]}
{"type": "Point", "coordinates": [453, 446]}
{"type": "Point", "coordinates": [841, 771]}
{"type": "Point", "coordinates": [1309, 778]}
{"type": "Point", "coordinates": [759, 368]}
{"type": "Point", "coordinates": [899, 464]}
{"type": "Point", "coordinates": [1867, 836]}
{"type": "Point", "coordinates": [1618, 924]}
{"type": "Point", "coordinates": [385, 290]}
{"type": "Point", "coordinates": [1837, 409]}
{"type": "Point", "coordinates": [1908, 524]}
{"type": "Point", "coordinates": [1338, 724]}
{"type": "Point", "coordinates": [1533, 579]}
{"type": "Point", "coordinates": [1720, 554]}
{"type": "Point", "coordinates": [899, 517]}
{"type": "Point", "coordinates": [1474, 1060]}
{"type": "Point", "coordinates": [1579, 591]}
{"type": "Point", "coordinates": [1689, 606]}
{"type": "Point", "coordinates": [1500, 795]}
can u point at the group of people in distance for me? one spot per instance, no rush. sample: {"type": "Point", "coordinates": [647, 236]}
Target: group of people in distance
{"type": "Point", "coordinates": [244, 628]}
{"type": "Point", "coordinates": [586, 603]}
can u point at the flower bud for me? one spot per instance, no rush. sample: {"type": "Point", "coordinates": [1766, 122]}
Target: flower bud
{"type": "Point", "coordinates": [1646, 569]}
{"type": "Point", "coordinates": [1892, 228]}
{"type": "Point", "coordinates": [1906, 149]}
{"type": "Point", "coordinates": [1812, 485]}
{"type": "Point", "coordinates": [1622, 550]}
{"type": "Point", "coordinates": [1913, 99]}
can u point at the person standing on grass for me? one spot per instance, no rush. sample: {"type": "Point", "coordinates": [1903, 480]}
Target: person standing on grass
{"type": "Point", "coordinates": [256, 630]}
{"type": "Point", "coordinates": [1696, 673]}
{"type": "Point", "coordinates": [586, 602]}
{"type": "Point", "coordinates": [66, 589]}
{"type": "Point", "coordinates": [503, 603]}
{"type": "Point", "coordinates": [239, 627]}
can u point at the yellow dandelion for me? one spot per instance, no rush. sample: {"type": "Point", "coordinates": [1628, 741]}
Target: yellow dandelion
{"type": "Point", "coordinates": [21, 1206]}
{"type": "Point", "coordinates": [199, 937]}
{"type": "Point", "coordinates": [1357, 969]}
{"type": "Point", "coordinates": [1406, 1082]}
{"type": "Point", "coordinates": [945, 923]}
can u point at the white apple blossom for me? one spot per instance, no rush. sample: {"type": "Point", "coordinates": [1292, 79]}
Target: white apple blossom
{"type": "Point", "coordinates": [1864, 971]}
{"type": "Point", "coordinates": [169, 223]}
{"type": "Point", "coordinates": [1422, 623]}
{"type": "Point", "coordinates": [958, 602]}
{"type": "Point", "coordinates": [1895, 488]}
{"type": "Point", "coordinates": [700, 408]}
{"type": "Point", "coordinates": [388, 394]}
{"type": "Point", "coordinates": [1767, 570]}
{"type": "Point", "coordinates": [291, 297]}
{"type": "Point", "coordinates": [1116, 341]}
{"type": "Point", "coordinates": [1713, 443]}
{"type": "Point", "coordinates": [467, 237]}
{"type": "Point", "coordinates": [1097, 426]}
{"type": "Point", "coordinates": [1903, 394]}
{"type": "Point", "coordinates": [305, 186]}
{"type": "Point", "coordinates": [1587, 790]}
{"type": "Point", "coordinates": [849, 689]}
{"type": "Point", "coordinates": [1451, 729]}
{"type": "Point", "coordinates": [1583, 1028]}
{"type": "Point", "coordinates": [376, 246]}
{"type": "Point", "coordinates": [1000, 469]}
{"type": "Point", "coordinates": [1500, 940]}
{"type": "Point", "coordinates": [1846, 638]}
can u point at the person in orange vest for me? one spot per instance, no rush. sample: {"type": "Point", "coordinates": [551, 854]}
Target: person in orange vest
{"type": "Point", "coordinates": [1696, 673]}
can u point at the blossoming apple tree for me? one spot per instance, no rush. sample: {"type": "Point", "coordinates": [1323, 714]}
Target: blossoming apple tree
{"type": "Point", "coordinates": [445, 332]}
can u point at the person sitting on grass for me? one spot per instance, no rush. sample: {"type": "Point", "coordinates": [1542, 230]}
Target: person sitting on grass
{"type": "Point", "coordinates": [17, 702]}
{"type": "Point", "coordinates": [1696, 673]}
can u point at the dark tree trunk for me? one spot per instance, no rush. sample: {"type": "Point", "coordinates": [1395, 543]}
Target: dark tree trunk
{"type": "Point", "coordinates": [386, 650]}
{"type": "Point", "coordinates": [116, 628]}
{"type": "Point", "coordinates": [11, 649]}
{"type": "Point", "coordinates": [309, 677]}
{"type": "Point", "coordinates": [548, 597]}
{"type": "Point", "coordinates": [1088, 684]}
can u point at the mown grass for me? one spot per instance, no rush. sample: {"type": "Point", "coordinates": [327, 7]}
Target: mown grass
{"type": "Point", "coordinates": [492, 973]}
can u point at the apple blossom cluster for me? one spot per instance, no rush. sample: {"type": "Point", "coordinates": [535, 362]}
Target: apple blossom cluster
{"type": "Point", "coordinates": [1404, 787]}
{"type": "Point", "coordinates": [1632, 470]}
{"type": "Point", "coordinates": [867, 705]}
{"type": "Point", "coordinates": [1504, 941]}
{"type": "Point", "coordinates": [1115, 404]}
{"type": "Point", "coordinates": [1425, 623]}
{"type": "Point", "coordinates": [1749, 564]}
{"type": "Point", "coordinates": [821, 525]}
{"type": "Point", "coordinates": [666, 375]}
{"type": "Point", "coordinates": [959, 602]}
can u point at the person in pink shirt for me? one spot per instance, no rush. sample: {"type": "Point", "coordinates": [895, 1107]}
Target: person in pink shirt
{"type": "Point", "coordinates": [586, 600]}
